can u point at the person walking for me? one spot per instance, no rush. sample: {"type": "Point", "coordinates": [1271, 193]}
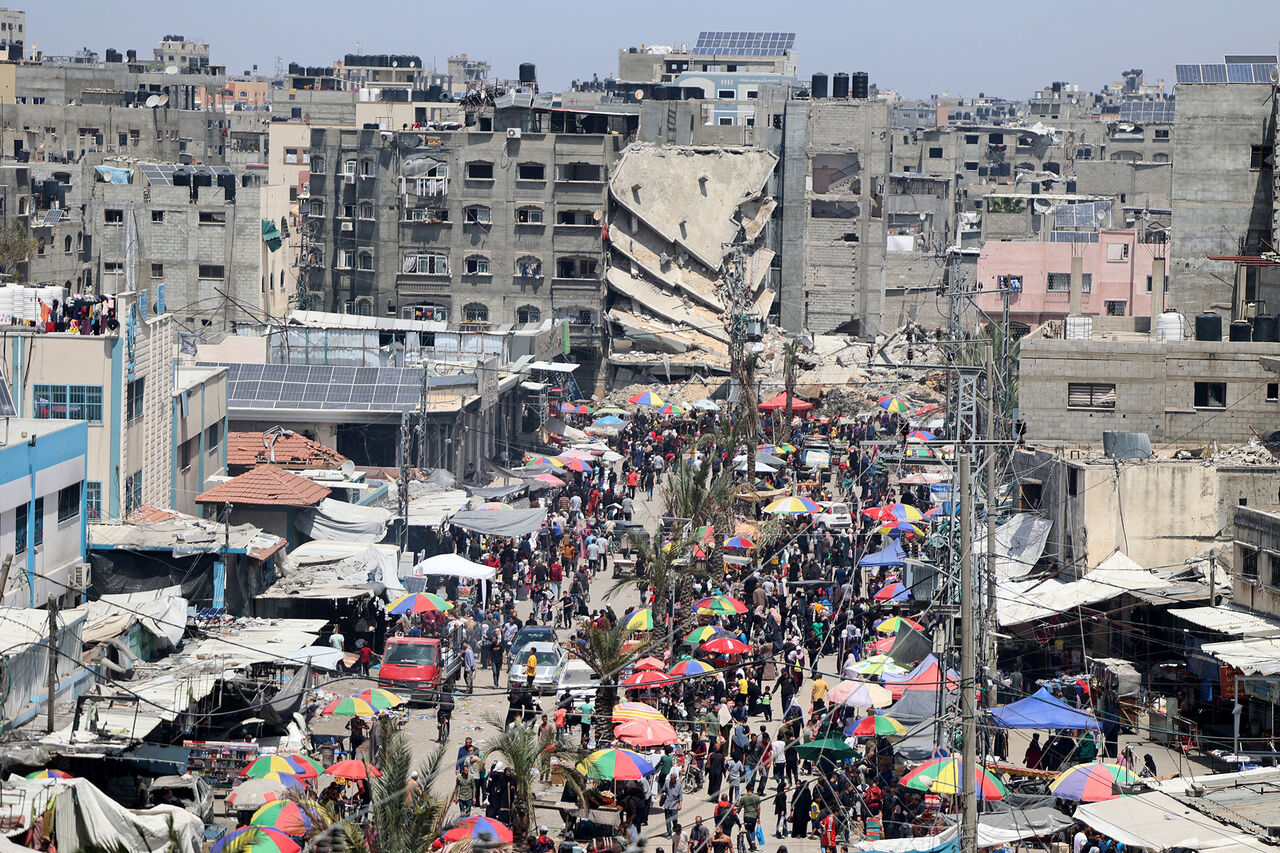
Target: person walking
{"type": "Point", "coordinates": [469, 666]}
{"type": "Point", "coordinates": [465, 790]}
{"type": "Point", "coordinates": [496, 653]}
{"type": "Point", "coordinates": [672, 794]}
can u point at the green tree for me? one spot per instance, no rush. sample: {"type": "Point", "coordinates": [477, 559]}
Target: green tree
{"type": "Point", "coordinates": [604, 654]}
{"type": "Point", "coordinates": [526, 756]}
{"type": "Point", "coordinates": [668, 566]}
{"type": "Point", "coordinates": [16, 246]}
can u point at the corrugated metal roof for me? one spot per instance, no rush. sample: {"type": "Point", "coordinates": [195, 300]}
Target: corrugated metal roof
{"type": "Point", "coordinates": [1232, 621]}
{"type": "Point", "coordinates": [1252, 657]}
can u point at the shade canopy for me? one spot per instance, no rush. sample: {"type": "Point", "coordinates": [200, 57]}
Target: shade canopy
{"type": "Point", "coordinates": [779, 401]}
{"type": "Point", "coordinates": [1042, 710]}
{"type": "Point", "coordinates": [454, 565]}
{"type": "Point", "coordinates": [890, 555]}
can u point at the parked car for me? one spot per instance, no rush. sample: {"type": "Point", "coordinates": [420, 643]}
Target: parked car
{"type": "Point", "coordinates": [188, 792]}
{"type": "Point", "coordinates": [579, 679]}
{"type": "Point", "coordinates": [531, 634]}
{"type": "Point", "coordinates": [834, 515]}
{"type": "Point", "coordinates": [551, 661]}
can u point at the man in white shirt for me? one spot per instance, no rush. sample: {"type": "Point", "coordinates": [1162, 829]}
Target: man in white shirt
{"type": "Point", "coordinates": [1079, 840]}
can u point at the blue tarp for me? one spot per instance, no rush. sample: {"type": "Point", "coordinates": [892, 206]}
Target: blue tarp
{"type": "Point", "coordinates": [1042, 710]}
{"type": "Point", "coordinates": [892, 555]}
{"type": "Point", "coordinates": [115, 175]}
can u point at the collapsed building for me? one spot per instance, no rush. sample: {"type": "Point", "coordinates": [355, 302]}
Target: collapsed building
{"type": "Point", "coordinates": [683, 218]}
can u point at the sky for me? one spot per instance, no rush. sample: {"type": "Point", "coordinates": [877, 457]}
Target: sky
{"type": "Point", "coordinates": [996, 47]}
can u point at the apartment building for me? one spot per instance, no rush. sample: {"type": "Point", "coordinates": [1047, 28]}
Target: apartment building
{"type": "Point", "coordinates": [714, 51]}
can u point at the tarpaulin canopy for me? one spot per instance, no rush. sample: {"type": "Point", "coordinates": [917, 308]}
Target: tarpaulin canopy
{"type": "Point", "coordinates": [271, 235]}
{"type": "Point", "coordinates": [343, 522]}
{"type": "Point", "coordinates": [779, 401]}
{"type": "Point", "coordinates": [910, 646]}
{"type": "Point", "coordinates": [454, 565]}
{"type": "Point", "coordinates": [500, 522]}
{"type": "Point", "coordinates": [114, 174]}
{"type": "Point", "coordinates": [926, 676]}
{"type": "Point", "coordinates": [947, 841]}
{"type": "Point", "coordinates": [916, 706]}
{"type": "Point", "coordinates": [1157, 821]}
{"type": "Point", "coordinates": [161, 612]}
{"type": "Point", "coordinates": [1000, 828]}
{"type": "Point", "coordinates": [1042, 710]}
{"type": "Point", "coordinates": [890, 555]}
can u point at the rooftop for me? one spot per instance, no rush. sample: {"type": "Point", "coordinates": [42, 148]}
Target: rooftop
{"type": "Point", "coordinates": [289, 450]}
{"type": "Point", "coordinates": [266, 485]}
{"type": "Point", "coordinates": [152, 529]}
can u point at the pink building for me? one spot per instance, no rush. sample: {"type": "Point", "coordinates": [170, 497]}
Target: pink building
{"type": "Point", "coordinates": [1117, 277]}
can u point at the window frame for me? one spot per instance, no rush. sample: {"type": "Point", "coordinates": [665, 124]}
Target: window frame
{"type": "Point", "coordinates": [81, 399]}
{"type": "Point", "coordinates": [68, 503]}
{"type": "Point", "coordinates": [21, 521]}
{"type": "Point", "coordinates": [93, 500]}
{"type": "Point", "coordinates": [531, 164]}
{"type": "Point", "coordinates": [37, 518]}
{"type": "Point", "coordinates": [1207, 387]}
{"type": "Point", "coordinates": [135, 399]}
{"type": "Point", "coordinates": [1097, 394]}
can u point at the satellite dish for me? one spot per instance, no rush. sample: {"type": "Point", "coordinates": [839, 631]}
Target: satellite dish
{"type": "Point", "coordinates": [596, 216]}
{"type": "Point", "coordinates": [306, 118]}
{"type": "Point", "coordinates": [1275, 74]}
{"type": "Point", "coordinates": [163, 101]}
{"type": "Point", "coordinates": [172, 69]}
{"type": "Point", "coordinates": [348, 467]}
{"type": "Point", "coordinates": [639, 94]}
{"type": "Point", "coordinates": [153, 101]}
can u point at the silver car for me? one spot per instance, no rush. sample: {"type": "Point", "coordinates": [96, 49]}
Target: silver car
{"type": "Point", "coordinates": [188, 792]}
{"type": "Point", "coordinates": [551, 662]}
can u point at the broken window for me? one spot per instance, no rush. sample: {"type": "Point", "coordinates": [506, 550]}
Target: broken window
{"type": "Point", "coordinates": [479, 170]}
{"type": "Point", "coordinates": [1091, 395]}
{"type": "Point", "coordinates": [1210, 395]}
{"type": "Point", "coordinates": [213, 217]}
{"type": "Point", "coordinates": [935, 153]}
{"type": "Point", "coordinates": [529, 216]}
{"type": "Point", "coordinates": [1261, 157]}
{"type": "Point", "coordinates": [575, 217]}
{"type": "Point", "coordinates": [1117, 252]}
{"type": "Point", "coordinates": [113, 216]}
{"type": "Point", "coordinates": [212, 271]}
{"type": "Point", "coordinates": [531, 172]}
{"type": "Point", "coordinates": [529, 266]}
{"type": "Point", "coordinates": [478, 214]}
{"type": "Point", "coordinates": [477, 265]}
{"type": "Point", "coordinates": [589, 172]}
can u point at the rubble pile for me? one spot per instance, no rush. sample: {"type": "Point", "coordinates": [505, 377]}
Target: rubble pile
{"type": "Point", "coordinates": [1253, 453]}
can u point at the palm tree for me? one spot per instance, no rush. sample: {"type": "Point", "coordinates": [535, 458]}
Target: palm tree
{"type": "Point", "coordinates": [526, 755]}
{"type": "Point", "coordinates": [604, 654]}
{"type": "Point", "coordinates": [667, 568]}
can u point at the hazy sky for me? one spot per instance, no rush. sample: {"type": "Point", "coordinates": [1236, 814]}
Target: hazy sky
{"type": "Point", "coordinates": [922, 48]}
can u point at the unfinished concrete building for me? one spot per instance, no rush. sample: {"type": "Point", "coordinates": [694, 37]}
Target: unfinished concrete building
{"type": "Point", "coordinates": [835, 160]}
{"type": "Point", "coordinates": [678, 214]}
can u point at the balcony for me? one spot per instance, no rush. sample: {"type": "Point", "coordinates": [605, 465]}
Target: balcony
{"type": "Point", "coordinates": [579, 285]}
{"type": "Point", "coordinates": [422, 285]}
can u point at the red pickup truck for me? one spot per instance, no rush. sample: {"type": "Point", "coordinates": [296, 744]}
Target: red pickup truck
{"type": "Point", "coordinates": [419, 668]}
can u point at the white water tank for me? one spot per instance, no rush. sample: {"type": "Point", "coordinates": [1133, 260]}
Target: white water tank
{"type": "Point", "coordinates": [1079, 328]}
{"type": "Point", "coordinates": [1170, 326]}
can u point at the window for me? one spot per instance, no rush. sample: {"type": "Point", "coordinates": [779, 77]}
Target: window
{"type": "Point", "coordinates": [478, 170]}
{"type": "Point", "coordinates": [212, 271]}
{"type": "Point", "coordinates": [68, 502]}
{"type": "Point", "coordinates": [20, 521]}
{"type": "Point", "coordinates": [971, 139]}
{"type": "Point", "coordinates": [477, 215]}
{"type": "Point", "coordinates": [1117, 252]}
{"type": "Point", "coordinates": [213, 439]}
{"type": "Point", "coordinates": [1166, 284]}
{"type": "Point", "coordinates": [1162, 136]}
{"type": "Point", "coordinates": [477, 265]}
{"type": "Point", "coordinates": [529, 266]}
{"type": "Point", "coordinates": [475, 313]}
{"type": "Point", "coordinates": [935, 153]}
{"type": "Point", "coordinates": [1060, 282]}
{"type": "Point", "coordinates": [1210, 395]}
{"type": "Point", "coordinates": [366, 260]}
{"type": "Point", "coordinates": [157, 270]}
{"type": "Point", "coordinates": [93, 500]}
{"type": "Point", "coordinates": [1091, 395]}
{"type": "Point", "coordinates": [291, 156]}
{"type": "Point", "coordinates": [346, 259]}
{"type": "Point", "coordinates": [726, 121]}
{"type": "Point", "coordinates": [429, 264]}
{"type": "Point", "coordinates": [66, 245]}
{"type": "Point", "coordinates": [529, 216]}
{"type": "Point", "coordinates": [317, 165]}
{"type": "Point", "coordinates": [213, 217]}
{"type": "Point", "coordinates": [349, 169]}
{"type": "Point", "coordinates": [1261, 157]}
{"type": "Point", "coordinates": [185, 452]}
{"type": "Point", "coordinates": [315, 207]}
{"type": "Point", "coordinates": [724, 94]}
{"type": "Point", "coordinates": [971, 165]}
{"type": "Point", "coordinates": [531, 172]}
{"type": "Point", "coordinates": [132, 492]}
{"type": "Point", "coordinates": [157, 216]}
{"type": "Point", "coordinates": [1249, 564]}
{"type": "Point", "coordinates": [1115, 307]}
{"type": "Point", "coordinates": [113, 216]}
{"type": "Point", "coordinates": [528, 314]}
{"type": "Point", "coordinates": [68, 402]}
{"type": "Point", "coordinates": [348, 211]}
{"type": "Point", "coordinates": [366, 210]}
{"type": "Point", "coordinates": [1273, 392]}
{"type": "Point", "coordinates": [38, 517]}
{"type": "Point", "coordinates": [112, 267]}
{"type": "Point", "coordinates": [136, 394]}
{"type": "Point", "coordinates": [366, 168]}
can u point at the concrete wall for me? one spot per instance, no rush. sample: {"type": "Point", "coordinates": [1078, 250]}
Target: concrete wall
{"type": "Point", "coordinates": [203, 429]}
{"type": "Point", "coordinates": [1257, 531]}
{"type": "Point", "coordinates": [1155, 390]}
{"type": "Point", "coordinates": [53, 131]}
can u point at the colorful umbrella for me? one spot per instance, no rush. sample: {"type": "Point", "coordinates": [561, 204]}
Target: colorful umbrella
{"type": "Point", "coordinates": [793, 505]}
{"type": "Point", "coordinates": [726, 646]}
{"type": "Point", "coordinates": [876, 724]}
{"type": "Point", "coordinates": [645, 678]}
{"type": "Point", "coordinates": [894, 624]}
{"type": "Point", "coordinates": [625, 711]}
{"type": "Point", "coordinates": [607, 420]}
{"type": "Point", "coordinates": [350, 707]}
{"type": "Point", "coordinates": [543, 460]}
{"type": "Point", "coordinates": [860, 694]}
{"type": "Point", "coordinates": [946, 776]}
{"type": "Point", "coordinates": [578, 465]}
{"type": "Point", "coordinates": [777, 449]}
{"type": "Point", "coordinates": [647, 398]}
{"type": "Point", "coordinates": [896, 591]}
{"type": "Point", "coordinates": [267, 789]}
{"type": "Point", "coordinates": [308, 761]}
{"type": "Point", "coordinates": [419, 602]}
{"type": "Point", "coordinates": [739, 542]}
{"type": "Point", "coordinates": [720, 605]}
{"type": "Point", "coordinates": [705, 632]}
{"type": "Point", "coordinates": [933, 512]}
{"type": "Point", "coordinates": [921, 435]}
{"type": "Point", "coordinates": [1091, 783]}
{"type": "Point", "coordinates": [568, 408]}
{"type": "Point", "coordinates": [671, 409]}
{"type": "Point", "coordinates": [283, 815]}
{"type": "Point", "coordinates": [900, 527]}
{"type": "Point", "coordinates": [641, 620]}
{"type": "Point", "coordinates": [646, 732]}
{"type": "Point", "coordinates": [928, 410]}
{"type": "Point", "coordinates": [479, 827]}
{"type": "Point", "coordinates": [884, 645]}
{"type": "Point", "coordinates": [265, 764]}
{"type": "Point", "coordinates": [878, 665]}
{"type": "Point", "coordinates": [827, 747]}
{"type": "Point", "coordinates": [615, 764]}
{"type": "Point", "coordinates": [491, 505]}
{"type": "Point", "coordinates": [260, 839]}
{"type": "Point", "coordinates": [650, 664]}
{"type": "Point", "coordinates": [549, 479]}
{"type": "Point", "coordinates": [894, 512]}
{"type": "Point", "coordinates": [49, 774]}
{"type": "Point", "coordinates": [892, 404]}
{"type": "Point", "coordinates": [690, 667]}
{"type": "Point", "coordinates": [379, 698]}
{"type": "Point", "coordinates": [352, 769]}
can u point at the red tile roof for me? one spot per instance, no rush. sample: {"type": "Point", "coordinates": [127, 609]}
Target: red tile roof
{"type": "Point", "coordinates": [292, 450]}
{"type": "Point", "coordinates": [266, 485]}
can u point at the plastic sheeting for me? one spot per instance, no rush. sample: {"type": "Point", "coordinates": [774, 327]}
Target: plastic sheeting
{"type": "Point", "coordinates": [1016, 824]}
{"type": "Point", "coordinates": [23, 636]}
{"type": "Point", "coordinates": [508, 523]}
{"type": "Point", "coordinates": [343, 522]}
{"type": "Point", "coordinates": [163, 612]}
{"type": "Point", "coordinates": [1042, 710]}
{"type": "Point", "coordinates": [454, 565]}
{"type": "Point", "coordinates": [890, 555]}
{"type": "Point", "coordinates": [114, 174]}
{"type": "Point", "coordinates": [947, 841]}
{"type": "Point", "coordinates": [1157, 821]}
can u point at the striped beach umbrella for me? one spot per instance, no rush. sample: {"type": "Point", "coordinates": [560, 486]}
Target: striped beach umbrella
{"type": "Point", "coordinates": [492, 505]}
{"type": "Point", "coordinates": [479, 827]}
{"type": "Point", "coordinates": [896, 591]}
{"type": "Point", "coordinates": [876, 724]}
{"type": "Point", "coordinates": [647, 398]}
{"type": "Point", "coordinates": [892, 404]}
{"type": "Point", "coordinates": [646, 732]}
{"type": "Point", "coordinates": [578, 465]}
{"type": "Point", "coordinates": [379, 698]}
{"type": "Point", "coordinates": [615, 764]}
{"type": "Point", "coordinates": [899, 527]}
{"type": "Point", "coordinates": [671, 409]}
{"type": "Point", "coordinates": [946, 776]}
{"type": "Point", "coordinates": [49, 774]}
{"type": "Point", "coordinates": [350, 707]}
{"type": "Point", "coordinates": [686, 668]}
{"type": "Point", "coordinates": [792, 505]}
{"type": "Point", "coordinates": [624, 711]}
{"type": "Point", "coordinates": [705, 632]}
{"type": "Point", "coordinates": [641, 620]}
{"type": "Point", "coordinates": [645, 678]}
{"type": "Point", "coordinates": [352, 769]}
{"type": "Point", "coordinates": [894, 624]}
{"type": "Point", "coordinates": [741, 543]}
{"type": "Point", "coordinates": [265, 764]}
{"type": "Point", "coordinates": [1091, 783]}
{"type": "Point", "coordinates": [860, 694]}
{"type": "Point", "coordinates": [283, 815]}
{"type": "Point", "coordinates": [259, 839]}
{"type": "Point", "coordinates": [720, 605]}
{"type": "Point", "coordinates": [921, 435]}
{"type": "Point", "coordinates": [878, 665]}
{"type": "Point", "coordinates": [419, 602]}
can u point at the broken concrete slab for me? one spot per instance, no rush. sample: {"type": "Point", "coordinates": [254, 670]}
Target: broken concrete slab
{"type": "Point", "coordinates": [665, 305]}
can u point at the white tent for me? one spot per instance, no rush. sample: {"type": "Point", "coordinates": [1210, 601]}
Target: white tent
{"type": "Point", "coordinates": [454, 565]}
{"type": "Point", "coordinates": [1157, 821]}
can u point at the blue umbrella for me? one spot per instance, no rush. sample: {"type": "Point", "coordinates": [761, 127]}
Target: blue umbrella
{"type": "Point", "coordinates": [607, 420]}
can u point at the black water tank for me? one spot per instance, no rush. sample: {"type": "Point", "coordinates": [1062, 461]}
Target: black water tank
{"type": "Point", "coordinates": [1264, 328]}
{"type": "Point", "coordinates": [659, 93]}
{"type": "Point", "coordinates": [1208, 326]}
{"type": "Point", "coordinates": [860, 85]}
{"type": "Point", "coordinates": [131, 55]}
{"type": "Point", "coordinates": [113, 55]}
{"type": "Point", "coordinates": [840, 85]}
{"type": "Point", "coordinates": [528, 73]}
{"type": "Point", "coordinates": [818, 86]}
{"type": "Point", "coordinates": [1240, 331]}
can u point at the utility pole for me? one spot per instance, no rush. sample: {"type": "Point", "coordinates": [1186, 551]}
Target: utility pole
{"type": "Point", "coordinates": [992, 497]}
{"type": "Point", "coordinates": [53, 662]}
{"type": "Point", "coordinates": [404, 482]}
{"type": "Point", "coordinates": [734, 297]}
{"type": "Point", "coordinates": [968, 650]}
{"type": "Point", "coordinates": [789, 382]}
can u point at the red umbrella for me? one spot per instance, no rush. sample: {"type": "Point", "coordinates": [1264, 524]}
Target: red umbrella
{"type": "Point", "coordinates": [646, 732]}
{"type": "Point", "coordinates": [474, 827]}
{"type": "Point", "coordinates": [352, 769]}
{"type": "Point", "coordinates": [645, 678]}
{"type": "Point", "coordinates": [649, 663]}
{"type": "Point", "coordinates": [726, 646]}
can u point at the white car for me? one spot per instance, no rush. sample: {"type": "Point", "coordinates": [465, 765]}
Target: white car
{"type": "Point", "coordinates": [834, 515]}
{"type": "Point", "coordinates": [578, 679]}
{"type": "Point", "coordinates": [551, 661]}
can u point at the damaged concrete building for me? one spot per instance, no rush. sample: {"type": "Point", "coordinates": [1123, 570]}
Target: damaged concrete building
{"type": "Point", "coordinates": [680, 217]}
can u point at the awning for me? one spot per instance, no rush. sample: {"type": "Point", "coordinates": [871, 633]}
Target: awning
{"type": "Point", "coordinates": [1252, 657]}
{"type": "Point", "coordinates": [999, 828]}
{"type": "Point", "coordinates": [1042, 710]}
{"type": "Point", "coordinates": [1158, 822]}
{"type": "Point", "coordinates": [553, 366]}
{"type": "Point", "coordinates": [343, 522]}
{"type": "Point", "coordinates": [157, 759]}
{"type": "Point", "coordinates": [454, 565]}
{"type": "Point", "coordinates": [500, 522]}
{"type": "Point", "coordinates": [1230, 620]}
{"type": "Point", "coordinates": [271, 235]}
{"type": "Point", "coordinates": [1020, 602]}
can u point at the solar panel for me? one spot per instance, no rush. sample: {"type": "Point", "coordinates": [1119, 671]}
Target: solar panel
{"type": "Point", "coordinates": [1239, 73]}
{"type": "Point", "coordinates": [7, 409]}
{"type": "Point", "coordinates": [1251, 58]}
{"type": "Point", "coordinates": [53, 216]}
{"type": "Point", "coordinates": [744, 43]}
{"type": "Point", "coordinates": [1159, 112]}
{"type": "Point", "coordinates": [1214, 73]}
{"type": "Point", "coordinates": [1188, 73]}
{"type": "Point", "coordinates": [1262, 72]}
